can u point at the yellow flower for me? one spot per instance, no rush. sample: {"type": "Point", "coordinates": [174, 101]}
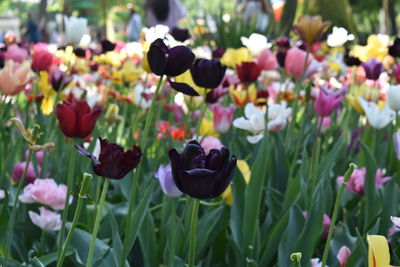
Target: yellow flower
{"type": "Point", "coordinates": [48, 92]}
{"type": "Point", "coordinates": [207, 128]}
{"type": "Point", "coordinates": [245, 171]}
{"type": "Point", "coordinates": [310, 28]}
{"type": "Point", "coordinates": [375, 48]}
{"type": "Point", "coordinates": [233, 57]}
{"type": "Point", "coordinates": [242, 96]}
{"type": "Point", "coordinates": [334, 66]}
{"type": "Point", "coordinates": [353, 101]}
{"type": "Point", "coordinates": [367, 92]}
{"type": "Point", "coordinates": [145, 63]}
{"type": "Point", "coordinates": [112, 115]}
{"type": "Point", "coordinates": [186, 77]}
{"type": "Point", "coordinates": [378, 252]}
{"type": "Point", "coordinates": [130, 72]}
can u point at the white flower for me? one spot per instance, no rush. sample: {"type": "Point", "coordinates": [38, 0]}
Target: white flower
{"type": "Point", "coordinates": [277, 116]}
{"type": "Point", "coordinates": [255, 43]}
{"type": "Point", "coordinates": [153, 33]}
{"type": "Point", "coordinates": [253, 121]}
{"type": "Point", "coordinates": [339, 37]}
{"type": "Point", "coordinates": [75, 28]}
{"type": "Point", "coordinates": [2, 194]}
{"type": "Point", "coordinates": [143, 96]}
{"type": "Point", "coordinates": [395, 221]}
{"type": "Point", "coordinates": [377, 118]}
{"type": "Point", "coordinates": [393, 97]}
{"type": "Point", "coordinates": [47, 220]}
{"type": "Point", "coordinates": [315, 262]}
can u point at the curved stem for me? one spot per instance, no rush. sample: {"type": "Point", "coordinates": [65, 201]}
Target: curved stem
{"type": "Point", "coordinates": [135, 182]}
{"type": "Point", "coordinates": [81, 197]}
{"type": "Point", "coordinates": [97, 222]}
{"type": "Point", "coordinates": [193, 228]}
{"type": "Point", "coordinates": [347, 176]}
{"type": "Point", "coordinates": [14, 207]}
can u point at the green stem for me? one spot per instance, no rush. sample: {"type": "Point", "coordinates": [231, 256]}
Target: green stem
{"type": "Point", "coordinates": [135, 182]}
{"type": "Point", "coordinates": [70, 183]}
{"type": "Point", "coordinates": [193, 226]}
{"type": "Point", "coordinates": [171, 256]}
{"type": "Point", "coordinates": [81, 198]}
{"type": "Point", "coordinates": [203, 109]}
{"type": "Point", "coordinates": [347, 176]}
{"type": "Point", "coordinates": [42, 243]}
{"type": "Point", "coordinates": [97, 223]}
{"type": "Point", "coordinates": [14, 208]}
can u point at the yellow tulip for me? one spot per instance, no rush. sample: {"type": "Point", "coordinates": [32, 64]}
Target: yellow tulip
{"type": "Point", "coordinates": [241, 96]}
{"type": "Point", "coordinates": [145, 63]}
{"type": "Point", "coordinates": [186, 77]}
{"type": "Point", "coordinates": [375, 48]}
{"type": "Point", "coordinates": [207, 128]}
{"type": "Point", "coordinates": [353, 101]}
{"type": "Point", "coordinates": [233, 57]}
{"type": "Point", "coordinates": [48, 92]}
{"type": "Point", "coordinates": [378, 252]}
{"type": "Point", "coordinates": [245, 171]}
{"type": "Point", "coordinates": [310, 28]}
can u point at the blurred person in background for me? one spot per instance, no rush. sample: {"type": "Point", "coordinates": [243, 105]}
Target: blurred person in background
{"type": "Point", "coordinates": [33, 30]}
{"type": "Point", "coordinates": [166, 12]}
{"type": "Point", "coordinates": [134, 26]}
{"type": "Point", "coordinates": [256, 11]}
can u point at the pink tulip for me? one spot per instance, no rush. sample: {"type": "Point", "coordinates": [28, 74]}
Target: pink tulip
{"type": "Point", "coordinates": [15, 53]}
{"type": "Point", "coordinates": [47, 220]}
{"type": "Point", "coordinates": [39, 156]}
{"type": "Point", "coordinates": [18, 171]}
{"type": "Point", "coordinates": [13, 78]}
{"type": "Point", "coordinates": [295, 60]}
{"type": "Point", "coordinates": [342, 255]}
{"type": "Point", "coordinates": [326, 123]}
{"type": "Point", "coordinates": [267, 60]}
{"type": "Point", "coordinates": [46, 192]}
{"type": "Point", "coordinates": [327, 102]}
{"type": "Point", "coordinates": [210, 142]}
{"type": "Point", "coordinates": [357, 180]}
{"type": "Point", "coordinates": [325, 224]}
{"type": "Point", "coordinates": [223, 117]}
{"type": "Point", "coordinates": [41, 58]}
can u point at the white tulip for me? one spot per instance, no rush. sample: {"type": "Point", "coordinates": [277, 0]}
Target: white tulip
{"type": "Point", "coordinates": [395, 221]}
{"type": "Point", "coordinates": [339, 37]}
{"type": "Point", "coordinates": [393, 97]}
{"type": "Point", "coordinates": [254, 121]}
{"type": "Point", "coordinates": [278, 115]}
{"type": "Point", "coordinates": [255, 43]}
{"type": "Point", "coordinates": [377, 118]}
{"type": "Point", "coordinates": [75, 29]}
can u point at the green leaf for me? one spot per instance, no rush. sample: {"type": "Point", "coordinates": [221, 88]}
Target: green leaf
{"type": "Point", "coordinates": [52, 257]}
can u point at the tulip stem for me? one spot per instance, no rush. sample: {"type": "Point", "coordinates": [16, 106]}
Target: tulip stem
{"type": "Point", "coordinates": [97, 222]}
{"type": "Point", "coordinates": [347, 176]}
{"type": "Point", "coordinates": [143, 136]}
{"type": "Point", "coordinates": [14, 208]}
{"type": "Point", "coordinates": [203, 109]}
{"type": "Point", "coordinates": [193, 226]}
{"type": "Point", "coordinates": [81, 198]}
{"type": "Point", "coordinates": [70, 183]}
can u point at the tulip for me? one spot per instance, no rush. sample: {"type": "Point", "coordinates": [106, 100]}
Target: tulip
{"type": "Point", "coordinates": [267, 60]}
{"type": "Point", "coordinates": [76, 119]}
{"type": "Point", "coordinates": [15, 53]}
{"type": "Point", "coordinates": [107, 46]}
{"type": "Point", "coordinates": [112, 162]}
{"type": "Point", "coordinates": [241, 96]}
{"type": "Point", "coordinates": [396, 72]}
{"type": "Point", "coordinates": [343, 255]}
{"type": "Point", "coordinates": [171, 62]}
{"type": "Point", "coordinates": [57, 77]}
{"type": "Point", "coordinates": [315, 262]}
{"type": "Point", "coordinates": [310, 28]}
{"type": "Point", "coordinates": [376, 48]}
{"type": "Point", "coordinates": [281, 57]}
{"type": "Point", "coordinates": [233, 57]}
{"type": "Point", "coordinates": [207, 73]}
{"type": "Point", "coordinates": [41, 59]}
{"type": "Point", "coordinates": [218, 53]}
{"type": "Point", "coordinates": [18, 170]}
{"type": "Point", "coordinates": [48, 93]}
{"type": "Point", "coordinates": [46, 192]}
{"type": "Point", "coordinates": [47, 220]}
{"type": "Point", "coordinates": [180, 35]}
{"type": "Point", "coordinates": [394, 50]}
{"type": "Point", "coordinates": [327, 102]}
{"type": "Point", "coordinates": [395, 221]}
{"type": "Point", "coordinates": [222, 117]}
{"type": "Point", "coordinates": [39, 156]}
{"type": "Point", "coordinates": [213, 96]}
{"type": "Point", "coordinates": [164, 176]}
{"type": "Point", "coordinates": [210, 142]}
{"type": "Point", "coordinates": [373, 69]}
{"type": "Point", "coordinates": [248, 71]}
{"type": "Point", "coordinates": [13, 78]}
{"type": "Point", "coordinates": [393, 97]}
{"type": "Point", "coordinates": [339, 37]}
{"type": "Point", "coordinates": [396, 143]}
{"type": "Point", "coordinates": [201, 176]}
{"type": "Point", "coordinates": [75, 28]}
{"type": "Point", "coordinates": [278, 115]}
{"type": "Point", "coordinates": [255, 43]}
{"type": "Point", "coordinates": [377, 118]}
{"type": "Point", "coordinates": [378, 251]}
{"type": "Point", "coordinates": [254, 122]}
{"type": "Point", "coordinates": [351, 60]}
{"type": "Point", "coordinates": [295, 60]}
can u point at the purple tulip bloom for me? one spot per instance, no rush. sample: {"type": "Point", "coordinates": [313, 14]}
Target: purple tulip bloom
{"type": "Point", "coordinates": [179, 34]}
{"type": "Point", "coordinates": [164, 176]}
{"type": "Point", "coordinates": [328, 101]}
{"type": "Point", "coordinates": [207, 73]}
{"type": "Point", "coordinates": [373, 69]}
{"type": "Point", "coordinates": [113, 162]}
{"type": "Point", "coordinates": [18, 171]}
{"type": "Point", "coordinates": [394, 50]}
{"type": "Point", "coordinates": [201, 176]}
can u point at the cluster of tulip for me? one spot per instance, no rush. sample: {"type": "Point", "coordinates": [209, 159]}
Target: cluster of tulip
{"type": "Point", "coordinates": [295, 114]}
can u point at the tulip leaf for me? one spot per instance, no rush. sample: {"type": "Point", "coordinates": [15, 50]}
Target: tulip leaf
{"type": "Point", "coordinates": [330, 159]}
{"type": "Point", "coordinates": [235, 221]}
{"type": "Point", "coordinates": [10, 262]}
{"type": "Point", "coordinates": [4, 218]}
{"type": "Point", "coordinates": [390, 198]}
{"type": "Point", "coordinates": [148, 240]}
{"type": "Point", "coordinates": [52, 257]}
{"type": "Point", "coordinates": [116, 239]}
{"type": "Point", "coordinates": [206, 228]}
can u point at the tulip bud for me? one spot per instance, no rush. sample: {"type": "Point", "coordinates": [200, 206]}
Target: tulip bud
{"type": "Point", "coordinates": [310, 28]}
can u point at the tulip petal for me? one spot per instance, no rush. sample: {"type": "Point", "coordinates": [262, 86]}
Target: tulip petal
{"type": "Point", "coordinates": [67, 119]}
{"type": "Point", "coordinates": [180, 59]}
{"type": "Point", "coordinates": [183, 88]}
{"type": "Point", "coordinates": [88, 122]}
{"type": "Point", "coordinates": [157, 57]}
{"type": "Point", "coordinates": [378, 254]}
{"type": "Point", "coordinates": [197, 183]}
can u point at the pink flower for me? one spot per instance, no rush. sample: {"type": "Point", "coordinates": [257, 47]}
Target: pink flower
{"type": "Point", "coordinates": [46, 192]}
{"type": "Point", "coordinates": [210, 142]}
{"type": "Point", "coordinates": [315, 262]}
{"type": "Point", "coordinates": [18, 171]}
{"type": "Point", "coordinates": [357, 180]}
{"type": "Point", "coordinates": [39, 156]}
{"type": "Point", "coordinates": [267, 60]}
{"type": "Point", "coordinates": [13, 78]}
{"type": "Point", "coordinates": [295, 60]}
{"type": "Point", "coordinates": [325, 224]}
{"type": "Point", "coordinates": [326, 123]}
{"type": "Point", "coordinates": [41, 58]}
{"type": "Point", "coordinates": [342, 255]}
{"type": "Point", "coordinates": [327, 102]}
{"type": "Point", "coordinates": [47, 220]}
{"type": "Point", "coordinates": [223, 117]}
{"type": "Point", "coordinates": [15, 53]}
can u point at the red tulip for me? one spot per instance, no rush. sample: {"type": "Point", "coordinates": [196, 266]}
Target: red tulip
{"type": "Point", "coordinates": [248, 71]}
{"type": "Point", "coordinates": [77, 119]}
{"type": "Point", "coordinates": [41, 59]}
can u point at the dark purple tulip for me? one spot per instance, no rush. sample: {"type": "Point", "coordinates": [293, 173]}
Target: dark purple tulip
{"type": "Point", "coordinates": [350, 60]}
{"type": "Point", "coordinates": [79, 52]}
{"type": "Point", "coordinates": [207, 73]}
{"type": "Point", "coordinates": [180, 35]}
{"type": "Point", "coordinates": [373, 68]}
{"type": "Point", "coordinates": [113, 162]}
{"type": "Point", "coordinates": [107, 46]}
{"type": "Point", "coordinates": [218, 52]}
{"type": "Point", "coordinates": [283, 42]}
{"type": "Point", "coordinates": [394, 50]}
{"type": "Point", "coordinates": [281, 56]}
{"type": "Point", "coordinates": [57, 77]}
{"type": "Point", "coordinates": [201, 176]}
{"type": "Point", "coordinates": [215, 95]}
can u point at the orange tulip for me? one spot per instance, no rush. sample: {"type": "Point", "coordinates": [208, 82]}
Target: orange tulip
{"type": "Point", "coordinates": [13, 78]}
